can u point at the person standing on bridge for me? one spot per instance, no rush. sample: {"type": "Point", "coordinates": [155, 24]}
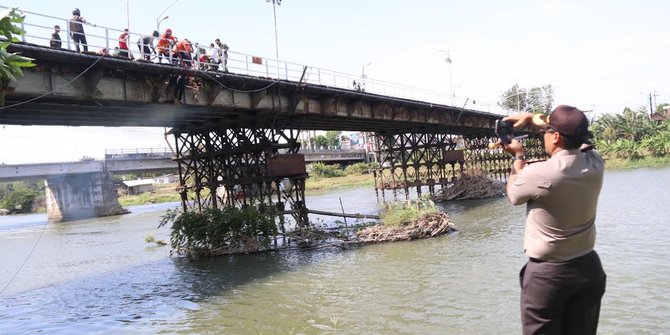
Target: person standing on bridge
{"type": "Point", "coordinates": [146, 45]}
{"type": "Point", "coordinates": [55, 41]}
{"type": "Point", "coordinates": [123, 44]}
{"type": "Point", "coordinates": [222, 49]}
{"type": "Point", "coordinates": [183, 50]}
{"type": "Point", "coordinates": [164, 46]}
{"type": "Point", "coordinates": [563, 281]}
{"type": "Point", "coordinates": [77, 30]}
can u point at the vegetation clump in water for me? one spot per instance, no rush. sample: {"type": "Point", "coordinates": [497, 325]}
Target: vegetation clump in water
{"type": "Point", "coordinates": [217, 231]}
{"type": "Point", "coordinates": [407, 221]}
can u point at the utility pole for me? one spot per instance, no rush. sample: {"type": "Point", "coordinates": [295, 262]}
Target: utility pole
{"type": "Point", "coordinates": [651, 109]}
{"type": "Point", "coordinates": [655, 95]}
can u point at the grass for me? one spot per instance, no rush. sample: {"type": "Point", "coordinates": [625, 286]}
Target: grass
{"type": "Point", "coordinates": [644, 162]}
{"type": "Point", "coordinates": [313, 185]}
{"type": "Point", "coordinates": [401, 214]}
{"type": "Point", "coordinates": [162, 193]}
{"type": "Point", "coordinates": [316, 185]}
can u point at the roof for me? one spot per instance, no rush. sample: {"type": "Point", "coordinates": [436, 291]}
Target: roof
{"type": "Point", "coordinates": [131, 183]}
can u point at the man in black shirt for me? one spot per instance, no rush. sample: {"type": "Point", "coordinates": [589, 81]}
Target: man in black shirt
{"type": "Point", "coordinates": [55, 41]}
{"type": "Point", "coordinates": [146, 45]}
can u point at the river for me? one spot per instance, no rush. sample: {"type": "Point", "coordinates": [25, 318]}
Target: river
{"type": "Point", "coordinates": [100, 277]}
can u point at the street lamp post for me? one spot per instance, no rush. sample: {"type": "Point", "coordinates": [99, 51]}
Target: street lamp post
{"type": "Point", "coordinates": [363, 76]}
{"type": "Point", "coordinates": [158, 18]}
{"type": "Point", "coordinates": [451, 86]}
{"type": "Point", "coordinates": [158, 22]}
{"type": "Point", "coordinates": [275, 3]}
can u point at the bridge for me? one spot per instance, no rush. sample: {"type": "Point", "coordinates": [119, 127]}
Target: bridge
{"type": "Point", "coordinates": [242, 128]}
{"type": "Point", "coordinates": [90, 179]}
{"type": "Point", "coordinates": [140, 161]}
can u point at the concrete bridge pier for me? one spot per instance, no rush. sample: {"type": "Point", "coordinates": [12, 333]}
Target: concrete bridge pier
{"type": "Point", "coordinates": [81, 196]}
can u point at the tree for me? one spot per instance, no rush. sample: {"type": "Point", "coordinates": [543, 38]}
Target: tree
{"type": "Point", "coordinates": [533, 100]}
{"type": "Point", "coordinates": [631, 134]}
{"type": "Point", "coordinates": [333, 138]}
{"type": "Point", "coordinates": [321, 141]}
{"type": "Point", "coordinates": [11, 63]}
{"type": "Point", "coordinates": [18, 196]}
{"type": "Point", "coordinates": [659, 108]}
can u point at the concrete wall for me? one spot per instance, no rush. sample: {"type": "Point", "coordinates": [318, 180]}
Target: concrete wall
{"type": "Point", "coordinates": [81, 196]}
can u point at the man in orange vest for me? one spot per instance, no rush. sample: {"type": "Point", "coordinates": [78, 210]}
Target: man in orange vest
{"type": "Point", "coordinates": [164, 45]}
{"type": "Point", "coordinates": [183, 49]}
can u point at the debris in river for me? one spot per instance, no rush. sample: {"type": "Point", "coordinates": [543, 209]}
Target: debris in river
{"type": "Point", "coordinates": [473, 185]}
{"type": "Point", "coordinates": [427, 225]}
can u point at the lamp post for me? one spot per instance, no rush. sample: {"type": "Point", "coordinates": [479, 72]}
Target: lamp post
{"type": "Point", "coordinates": [363, 76]}
{"type": "Point", "coordinates": [275, 3]}
{"type": "Point", "coordinates": [451, 87]}
{"type": "Point", "coordinates": [158, 18]}
{"type": "Point", "coordinates": [158, 22]}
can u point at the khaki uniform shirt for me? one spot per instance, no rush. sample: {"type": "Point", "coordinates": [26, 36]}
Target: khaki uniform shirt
{"type": "Point", "coordinates": [561, 194]}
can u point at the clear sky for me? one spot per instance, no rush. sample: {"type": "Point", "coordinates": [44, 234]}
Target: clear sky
{"type": "Point", "coordinates": [598, 55]}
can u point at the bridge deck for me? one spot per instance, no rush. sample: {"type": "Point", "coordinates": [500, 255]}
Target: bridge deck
{"type": "Point", "coordinates": [120, 92]}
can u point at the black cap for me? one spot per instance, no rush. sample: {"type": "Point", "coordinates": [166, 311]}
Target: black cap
{"type": "Point", "coordinates": [569, 121]}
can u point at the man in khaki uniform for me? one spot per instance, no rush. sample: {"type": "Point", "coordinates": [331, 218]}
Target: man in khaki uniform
{"type": "Point", "coordinates": [563, 282]}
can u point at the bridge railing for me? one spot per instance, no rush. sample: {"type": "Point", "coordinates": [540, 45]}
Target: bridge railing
{"type": "Point", "coordinates": [38, 28]}
{"type": "Point", "coordinates": [137, 153]}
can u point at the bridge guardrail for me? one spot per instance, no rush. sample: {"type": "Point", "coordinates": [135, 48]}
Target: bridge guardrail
{"type": "Point", "coordinates": [137, 153]}
{"type": "Point", "coordinates": [38, 28]}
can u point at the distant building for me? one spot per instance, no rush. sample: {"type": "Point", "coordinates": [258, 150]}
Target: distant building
{"type": "Point", "coordinates": [134, 187]}
{"type": "Point", "coordinates": [659, 117]}
{"type": "Point", "coordinates": [345, 142]}
{"type": "Point", "coordinates": [166, 179]}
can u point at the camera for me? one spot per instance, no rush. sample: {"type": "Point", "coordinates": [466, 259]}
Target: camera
{"type": "Point", "coordinates": [505, 131]}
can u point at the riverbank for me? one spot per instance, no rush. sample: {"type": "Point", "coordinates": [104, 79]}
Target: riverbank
{"type": "Point", "coordinates": [321, 185]}
{"type": "Point", "coordinates": [162, 193]}
{"type": "Point", "coordinates": [313, 186]}
{"type": "Point", "coordinates": [644, 162]}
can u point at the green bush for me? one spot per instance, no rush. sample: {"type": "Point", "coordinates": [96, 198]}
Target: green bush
{"type": "Point", "coordinates": [360, 168]}
{"type": "Point", "coordinates": [230, 228]}
{"type": "Point", "coordinates": [18, 198]}
{"type": "Point", "coordinates": [327, 171]}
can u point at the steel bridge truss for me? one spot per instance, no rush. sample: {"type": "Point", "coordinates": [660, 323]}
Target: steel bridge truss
{"type": "Point", "coordinates": [429, 161]}
{"type": "Point", "coordinates": [233, 167]}
{"type": "Point", "coordinates": [415, 161]}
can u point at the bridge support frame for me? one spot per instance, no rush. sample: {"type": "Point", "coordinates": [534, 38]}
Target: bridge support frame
{"type": "Point", "coordinates": [427, 161]}
{"type": "Point", "coordinates": [230, 167]}
{"type": "Point", "coordinates": [496, 163]}
{"type": "Point", "coordinates": [415, 161]}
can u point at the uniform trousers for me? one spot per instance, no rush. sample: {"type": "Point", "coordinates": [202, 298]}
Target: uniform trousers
{"type": "Point", "coordinates": [562, 297]}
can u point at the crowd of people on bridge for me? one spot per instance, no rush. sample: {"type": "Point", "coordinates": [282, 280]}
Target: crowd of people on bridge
{"type": "Point", "coordinates": [168, 47]}
{"type": "Point", "coordinates": [175, 51]}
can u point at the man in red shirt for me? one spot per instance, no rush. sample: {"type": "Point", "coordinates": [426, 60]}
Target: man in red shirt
{"type": "Point", "coordinates": [123, 44]}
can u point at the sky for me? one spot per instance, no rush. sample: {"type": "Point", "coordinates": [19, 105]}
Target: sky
{"type": "Point", "coordinates": [597, 55]}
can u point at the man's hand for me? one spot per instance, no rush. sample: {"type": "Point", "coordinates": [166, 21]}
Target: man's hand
{"type": "Point", "coordinates": [520, 119]}
{"type": "Point", "coordinates": [515, 148]}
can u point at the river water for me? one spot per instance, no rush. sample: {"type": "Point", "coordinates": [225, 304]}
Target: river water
{"type": "Point", "coordinates": [100, 277]}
